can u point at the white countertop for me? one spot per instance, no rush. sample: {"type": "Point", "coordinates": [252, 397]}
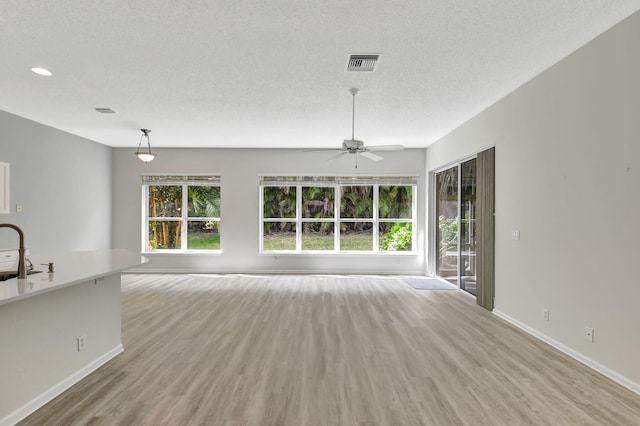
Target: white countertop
{"type": "Point", "coordinates": [69, 269]}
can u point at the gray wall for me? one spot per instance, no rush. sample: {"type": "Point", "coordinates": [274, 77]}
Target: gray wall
{"type": "Point", "coordinates": [240, 229]}
{"type": "Point", "coordinates": [63, 183]}
{"type": "Point", "coordinates": [567, 176]}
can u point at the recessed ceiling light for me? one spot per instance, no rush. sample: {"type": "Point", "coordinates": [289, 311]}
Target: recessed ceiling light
{"type": "Point", "coordinates": [42, 71]}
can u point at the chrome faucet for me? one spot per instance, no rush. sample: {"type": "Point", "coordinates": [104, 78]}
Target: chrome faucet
{"type": "Point", "coordinates": [22, 269]}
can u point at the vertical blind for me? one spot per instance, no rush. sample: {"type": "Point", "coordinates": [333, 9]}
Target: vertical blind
{"type": "Point", "coordinates": [485, 251]}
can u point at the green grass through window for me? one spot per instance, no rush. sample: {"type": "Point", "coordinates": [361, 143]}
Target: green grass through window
{"type": "Point", "coordinates": [348, 242]}
{"type": "Point", "coordinates": [203, 241]}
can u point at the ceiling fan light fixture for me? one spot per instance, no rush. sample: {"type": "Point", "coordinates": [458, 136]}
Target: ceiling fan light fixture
{"type": "Point", "coordinates": [144, 154]}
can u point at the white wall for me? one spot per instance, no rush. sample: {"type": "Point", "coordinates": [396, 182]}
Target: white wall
{"type": "Point", "coordinates": [240, 228]}
{"type": "Point", "coordinates": [567, 176]}
{"type": "Point", "coordinates": [63, 183]}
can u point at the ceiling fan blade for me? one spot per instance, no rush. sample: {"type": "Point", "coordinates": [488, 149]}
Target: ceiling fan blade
{"type": "Point", "coordinates": [371, 156]}
{"type": "Point", "coordinates": [338, 155]}
{"type": "Point", "coordinates": [321, 149]}
{"type": "Point", "coordinates": [385, 147]}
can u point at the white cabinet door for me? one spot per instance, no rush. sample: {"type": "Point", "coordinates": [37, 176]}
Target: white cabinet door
{"type": "Point", "coordinates": [4, 188]}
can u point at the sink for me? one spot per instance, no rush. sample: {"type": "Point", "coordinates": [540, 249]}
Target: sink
{"type": "Point", "coordinates": [8, 275]}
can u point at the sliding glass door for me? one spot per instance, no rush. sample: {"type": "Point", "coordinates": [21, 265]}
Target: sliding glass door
{"type": "Point", "coordinates": [456, 225]}
{"type": "Point", "coordinates": [447, 210]}
{"type": "Point", "coordinates": [467, 266]}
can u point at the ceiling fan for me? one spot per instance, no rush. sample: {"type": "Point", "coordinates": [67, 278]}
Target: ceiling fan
{"type": "Point", "coordinates": [355, 146]}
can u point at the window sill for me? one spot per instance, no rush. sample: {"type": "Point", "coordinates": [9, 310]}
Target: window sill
{"type": "Point", "coordinates": [182, 253]}
{"type": "Point", "coordinates": [338, 253]}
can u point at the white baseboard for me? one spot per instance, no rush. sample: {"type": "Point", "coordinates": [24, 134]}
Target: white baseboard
{"type": "Point", "coordinates": [138, 271]}
{"type": "Point", "coordinates": [616, 377]}
{"type": "Point", "coordinates": [48, 395]}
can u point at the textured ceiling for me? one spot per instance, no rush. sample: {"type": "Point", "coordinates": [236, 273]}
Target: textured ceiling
{"type": "Point", "coordinates": [251, 73]}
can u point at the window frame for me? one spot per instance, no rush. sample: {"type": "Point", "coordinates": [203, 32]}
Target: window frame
{"type": "Point", "coordinates": [184, 181]}
{"type": "Point", "coordinates": [337, 183]}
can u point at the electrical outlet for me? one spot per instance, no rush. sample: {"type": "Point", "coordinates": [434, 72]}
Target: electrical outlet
{"type": "Point", "coordinates": [545, 314]}
{"type": "Point", "coordinates": [588, 334]}
{"type": "Point", "coordinates": [82, 343]}
{"type": "Point", "coordinates": [515, 235]}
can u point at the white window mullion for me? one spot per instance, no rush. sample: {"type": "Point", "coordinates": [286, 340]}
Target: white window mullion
{"type": "Point", "coordinates": [376, 198]}
{"type": "Point", "coordinates": [185, 223]}
{"type": "Point", "coordinates": [336, 216]}
{"type": "Point", "coordinates": [298, 217]}
{"type": "Point", "coordinates": [145, 217]}
{"type": "Point", "coordinates": [261, 215]}
{"type": "Point", "coordinates": [414, 212]}
{"type": "Point", "coordinates": [459, 249]}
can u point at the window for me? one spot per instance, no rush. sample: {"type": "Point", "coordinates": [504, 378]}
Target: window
{"type": "Point", "coordinates": [181, 213]}
{"type": "Point", "coordinates": [337, 214]}
{"type": "Point", "coordinates": [395, 217]}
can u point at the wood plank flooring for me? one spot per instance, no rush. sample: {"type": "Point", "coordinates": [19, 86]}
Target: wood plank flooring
{"type": "Point", "coordinates": [328, 350]}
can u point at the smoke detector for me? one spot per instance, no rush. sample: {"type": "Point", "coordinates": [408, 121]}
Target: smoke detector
{"type": "Point", "coordinates": [362, 62]}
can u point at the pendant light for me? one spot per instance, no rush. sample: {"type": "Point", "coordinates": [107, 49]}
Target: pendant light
{"type": "Point", "coordinates": [145, 155]}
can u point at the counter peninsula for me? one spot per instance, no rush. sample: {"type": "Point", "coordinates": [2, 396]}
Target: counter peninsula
{"type": "Point", "coordinates": [56, 328]}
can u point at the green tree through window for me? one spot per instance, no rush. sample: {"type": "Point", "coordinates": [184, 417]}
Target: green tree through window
{"type": "Point", "coordinates": [183, 213]}
{"type": "Point", "coordinates": [327, 214]}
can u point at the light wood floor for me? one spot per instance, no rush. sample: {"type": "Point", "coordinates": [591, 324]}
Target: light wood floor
{"type": "Point", "coordinates": [324, 350]}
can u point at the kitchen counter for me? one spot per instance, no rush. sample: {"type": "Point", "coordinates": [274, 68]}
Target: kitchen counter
{"type": "Point", "coordinates": [69, 269]}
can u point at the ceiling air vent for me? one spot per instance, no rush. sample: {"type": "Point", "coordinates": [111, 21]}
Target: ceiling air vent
{"type": "Point", "coordinates": [362, 62]}
{"type": "Point", "coordinates": [106, 110]}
